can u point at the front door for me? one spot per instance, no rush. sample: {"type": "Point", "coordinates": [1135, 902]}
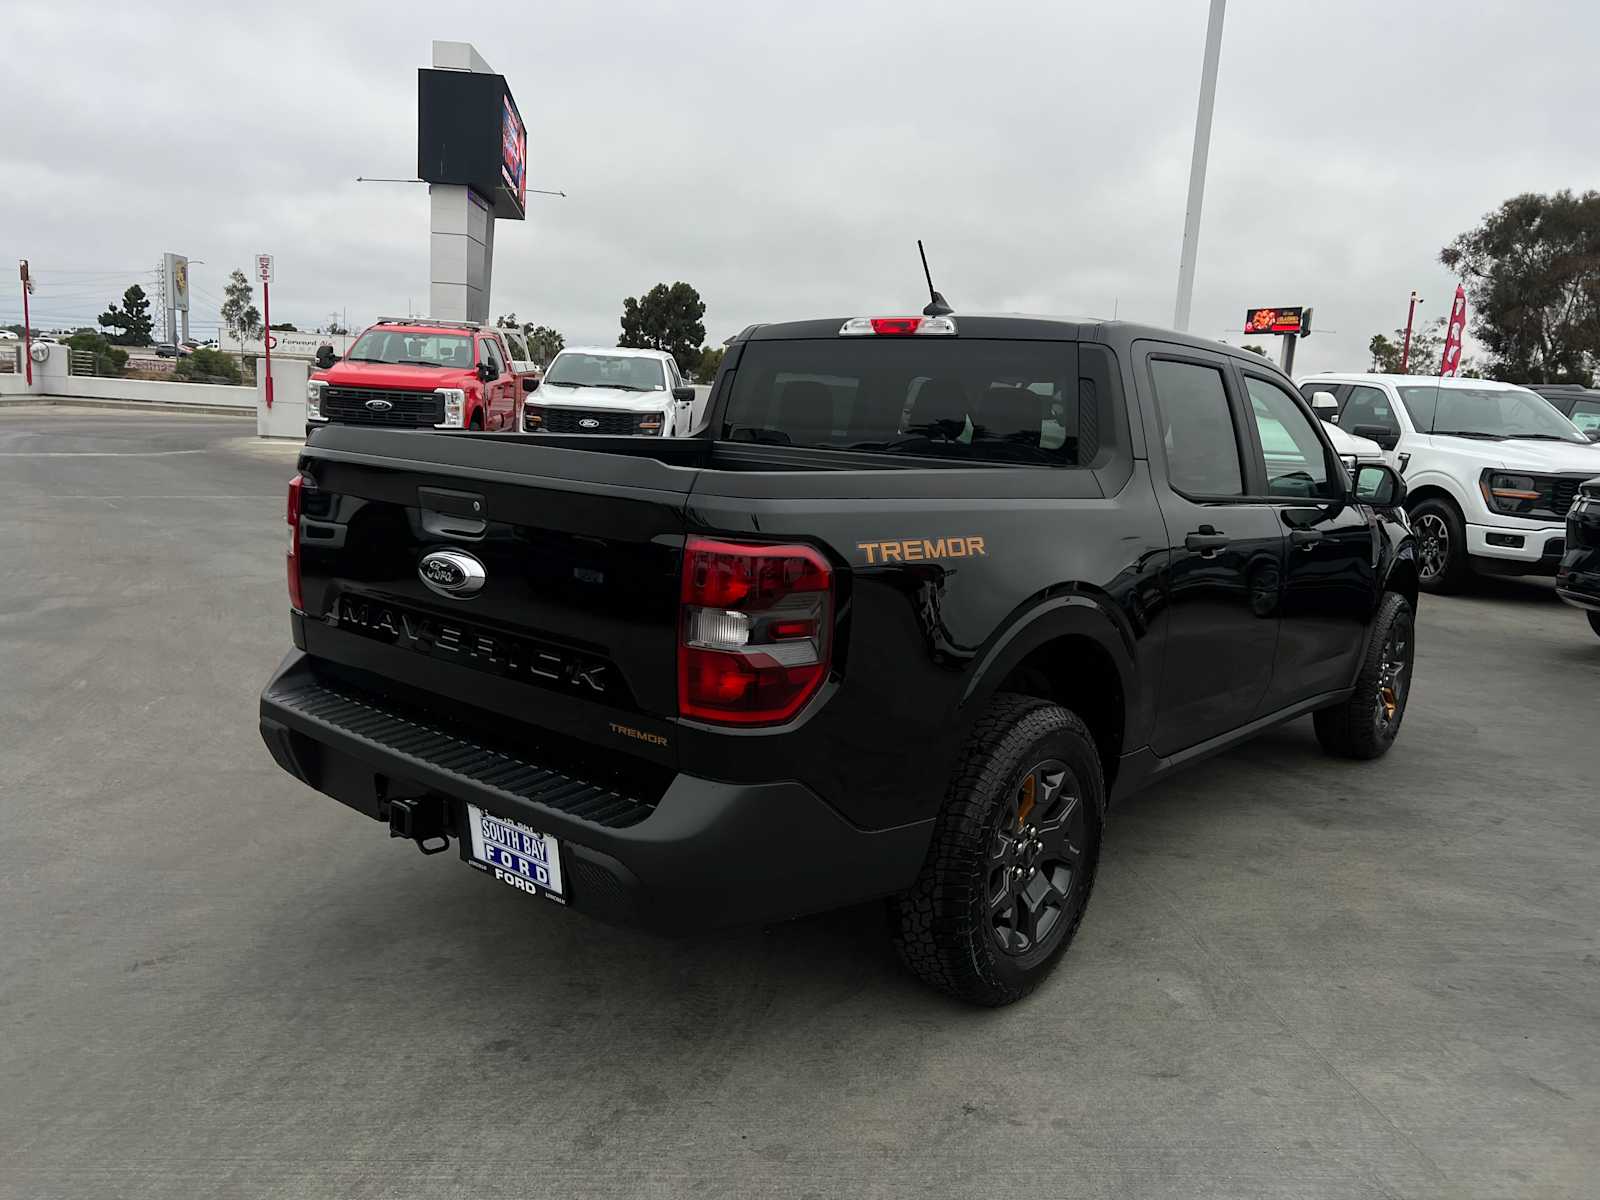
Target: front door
{"type": "Point", "coordinates": [1330, 578]}
{"type": "Point", "coordinates": [1227, 552]}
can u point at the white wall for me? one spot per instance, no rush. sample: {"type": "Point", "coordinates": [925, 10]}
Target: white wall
{"type": "Point", "coordinates": [50, 380]}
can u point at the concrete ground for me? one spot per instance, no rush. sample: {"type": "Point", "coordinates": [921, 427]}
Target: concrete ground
{"type": "Point", "coordinates": [1298, 977]}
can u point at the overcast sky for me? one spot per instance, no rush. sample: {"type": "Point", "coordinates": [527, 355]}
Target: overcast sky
{"type": "Point", "coordinates": [784, 159]}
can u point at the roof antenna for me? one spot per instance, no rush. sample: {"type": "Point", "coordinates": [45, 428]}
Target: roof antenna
{"type": "Point", "coordinates": [937, 305]}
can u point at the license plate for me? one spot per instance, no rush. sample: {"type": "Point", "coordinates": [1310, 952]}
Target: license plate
{"type": "Point", "coordinates": [517, 856]}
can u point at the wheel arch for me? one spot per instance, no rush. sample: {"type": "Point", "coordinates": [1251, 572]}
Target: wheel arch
{"type": "Point", "coordinates": [1071, 651]}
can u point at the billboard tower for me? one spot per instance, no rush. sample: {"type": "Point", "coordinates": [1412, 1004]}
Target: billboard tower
{"type": "Point", "coordinates": [174, 297]}
{"type": "Point", "coordinates": [472, 149]}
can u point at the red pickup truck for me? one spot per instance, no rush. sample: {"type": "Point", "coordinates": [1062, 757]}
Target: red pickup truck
{"type": "Point", "coordinates": [417, 373]}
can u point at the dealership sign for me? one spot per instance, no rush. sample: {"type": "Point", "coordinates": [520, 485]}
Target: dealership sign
{"type": "Point", "coordinates": [1287, 320]}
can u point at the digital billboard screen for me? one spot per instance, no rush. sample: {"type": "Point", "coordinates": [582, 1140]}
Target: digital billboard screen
{"type": "Point", "coordinates": [1273, 320]}
{"type": "Point", "coordinates": [513, 152]}
{"type": "Point", "coordinates": [469, 132]}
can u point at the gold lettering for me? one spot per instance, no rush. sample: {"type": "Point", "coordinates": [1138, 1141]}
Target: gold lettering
{"type": "Point", "coordinates": [891, 551]}
{"type": "Point", "coordinates": [933, 549]}
{"type": "Point", "coordinates": [958, 547]}
{"type": "Point", "coordinates": [975, 546]}
{"type": "Point", "coordinates": [913, 551]}
{"type": "Point", "coordinates": [869, 547]}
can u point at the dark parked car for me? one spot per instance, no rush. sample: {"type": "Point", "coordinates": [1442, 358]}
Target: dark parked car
{"type": "Point", "coordinates": [920, 597]}
{"type": "Point", "coordinates": [1578, 578]}
{"type": "Point", "coordinates": [1579, 404]}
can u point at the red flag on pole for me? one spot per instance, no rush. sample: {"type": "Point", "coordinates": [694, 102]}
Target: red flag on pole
{"type": "Point", "coordinates": [1452, 338]}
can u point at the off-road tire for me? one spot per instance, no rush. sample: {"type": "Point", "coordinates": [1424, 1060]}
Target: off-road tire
{"type": "Point", "coordinates": [1457, 569]}
{"type": "Point", "coordinates": [1358, 727]}
{"type": "Point", "coordinates": [943, 924]}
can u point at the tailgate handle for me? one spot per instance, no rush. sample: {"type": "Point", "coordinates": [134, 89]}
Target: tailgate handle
{"type": "Point", "coordinates": [447, 513]}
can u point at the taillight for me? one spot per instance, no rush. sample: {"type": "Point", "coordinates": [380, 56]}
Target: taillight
{"type": "Point", "coordinates": [293, 516]}
{"type": "Point", "coordinates": [757, 624]}
{"type": "Point", "coordinates": [898, 327]}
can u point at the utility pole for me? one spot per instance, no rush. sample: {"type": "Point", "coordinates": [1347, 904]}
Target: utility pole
{"type": "Point", "coordinates": [1405, 349]}
{"type": "Point", "coordinates": [1197, 165]}
{"type": "Point", "coordinates": [27, 325]}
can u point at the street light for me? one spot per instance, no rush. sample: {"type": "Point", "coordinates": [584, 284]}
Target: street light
{"type": "Point", "coordinates": [1197, 165]}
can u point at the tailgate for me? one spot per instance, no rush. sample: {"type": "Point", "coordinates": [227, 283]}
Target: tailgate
{"type": "Point", "coordinates": [572, 627]}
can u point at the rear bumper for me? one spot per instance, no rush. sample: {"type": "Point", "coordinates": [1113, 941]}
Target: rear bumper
{"type": "Point", "coordinates": [707, 854]}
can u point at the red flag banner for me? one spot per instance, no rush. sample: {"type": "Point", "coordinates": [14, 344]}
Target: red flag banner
{"type": "Point", "coordinates": [1452, 338]}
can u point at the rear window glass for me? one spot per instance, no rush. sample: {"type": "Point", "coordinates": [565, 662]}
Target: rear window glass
{"type": "Point", "coordinates": [983, 400]}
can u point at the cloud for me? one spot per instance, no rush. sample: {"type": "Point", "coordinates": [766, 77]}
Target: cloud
{"type": "Point", "coordinates": [785, 159]}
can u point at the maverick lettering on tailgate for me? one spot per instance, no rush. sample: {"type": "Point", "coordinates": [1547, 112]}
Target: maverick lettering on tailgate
{"type": "Point", "coordinates": [455, 641]}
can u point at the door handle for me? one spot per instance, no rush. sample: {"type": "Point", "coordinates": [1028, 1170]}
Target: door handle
{"type": "Point", "coordinates": [1304, 539]}
{"type": "Point", "coordinates": [1206, 540]}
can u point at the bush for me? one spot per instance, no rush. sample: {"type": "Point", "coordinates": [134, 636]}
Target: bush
{"type": "Point", "coordinates": [208, 366]}
{"type": "Point", "coordinates": [108, 359]}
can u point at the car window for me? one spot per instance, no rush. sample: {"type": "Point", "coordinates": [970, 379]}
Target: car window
{"type": "Point", "coordinates": [1586, 415]}
{"type": "Point", "coordinates": [491, 355]}
{"type": "Point", "coordinates": [413, 348]}
{"type": "Point", "coordinates": [1487, 413]}
{"type": "Point", "coordinates": [1197, 429]}
{"type": "Point", "coordinates": [1368, 406]}
{"type": "Point", "coordinates": [515, 345]}
{"type": "Point", "coordinates": [1295, 459]}
{"type": "Point", "coordinates": [970, 398]}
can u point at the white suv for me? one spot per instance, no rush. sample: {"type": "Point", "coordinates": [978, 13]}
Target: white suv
{"type": "Point", "coordinates": [1490, 468]}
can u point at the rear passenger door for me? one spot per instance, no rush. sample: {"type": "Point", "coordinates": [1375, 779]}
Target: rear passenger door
{"type": "Point", "coordinates": [1330, 581]}
{"type": "Point", "coordinates": [1227, 550]}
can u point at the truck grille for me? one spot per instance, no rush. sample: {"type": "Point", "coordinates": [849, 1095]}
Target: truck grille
{"type": "Point", "coordinates": [1563, 492]}
{"type": "Point", "coordinates": [607, 421]}
{"type": "Point", "coordinates": [406, 409]}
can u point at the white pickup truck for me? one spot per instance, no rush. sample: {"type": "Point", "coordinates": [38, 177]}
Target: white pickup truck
{"type": "Point", "coordinates": [611, 391]}
{"type": "Point", "coordinates": [1491, 468]}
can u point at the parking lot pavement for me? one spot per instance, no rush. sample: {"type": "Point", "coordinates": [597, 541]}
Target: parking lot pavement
{"type": "Point", "coordinates": [1298, 977]}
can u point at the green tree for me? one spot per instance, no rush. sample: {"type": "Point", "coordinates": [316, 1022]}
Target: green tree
{"type": "Point", "coordinates": [1532, 273]}
{"type": "Point", "coordinates": [544, 343]}
{"type": "Point", "coordinates": [710, 362]}
{"type": "Point", "coordinates": [108, 359]}
{"type": "Point", "coordinates": [666, 318]}
{"type": "Point", "coordinates": [1427, 350]}
{"type": "Point", "coordinates": [286, 327]}
{"type": "Point", "coordinates": [238, 314]}
{"type": "Point", "coordinates": [208, 366]}
{"type": "Point", "coordinates": [132, 321]}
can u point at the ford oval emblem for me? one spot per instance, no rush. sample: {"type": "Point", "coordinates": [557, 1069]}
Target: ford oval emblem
{"type": "Point", "coordinates": [588, 423]}
{"type": "Point", "coordinates": [452, 573]}
{"type": "Point", "coordinates": [380, 405]}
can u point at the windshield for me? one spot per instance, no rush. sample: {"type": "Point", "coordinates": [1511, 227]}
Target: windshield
{"type": "Point", "coordinates": [1486, 413]}
{"type": "Point", "coordinates": [413, 349]}
{"type": "Point", "coordinates": [607, 371]}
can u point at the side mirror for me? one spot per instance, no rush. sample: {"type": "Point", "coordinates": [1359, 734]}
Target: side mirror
{"type": "Point", "coordinates": [1325, 406]}
{"type": "Point", "coordinates": [530, 385]}
{"type": "Point", "coordinates": [1379, 485]}
{"type": "Point", "coordinates": [683, 393]}
{"type": "Point", "coordinates": [486, 372]}
{"type": "Point", "coordinates": [325, 357]}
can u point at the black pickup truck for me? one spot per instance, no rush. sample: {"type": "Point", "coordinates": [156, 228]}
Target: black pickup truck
{"type": "Point", "coordinates": [920, 598]}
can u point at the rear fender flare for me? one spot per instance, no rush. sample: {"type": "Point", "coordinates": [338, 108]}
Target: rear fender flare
{"type": "Point", "coordinates": [1075, 614]}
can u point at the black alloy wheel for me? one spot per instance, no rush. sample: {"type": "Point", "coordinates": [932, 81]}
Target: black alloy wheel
{"type": "Point", "coordinates": [1441, 545]}
{"type": "Point", "coordinates": [1365, 725]}
{"type": "Point", "coordinates": [1037, 879]}
{"type": "Point", "coordinates": [1012, 859]}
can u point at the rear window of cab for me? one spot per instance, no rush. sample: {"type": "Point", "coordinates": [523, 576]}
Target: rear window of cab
{"type": "Point", "coordinates": [984, 400]}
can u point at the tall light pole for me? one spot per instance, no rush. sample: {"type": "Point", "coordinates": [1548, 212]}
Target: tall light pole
{"type": "Point", "coordinates": [1197, 165]}
{"type": "Point", "coordinates": [1405, 347]}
